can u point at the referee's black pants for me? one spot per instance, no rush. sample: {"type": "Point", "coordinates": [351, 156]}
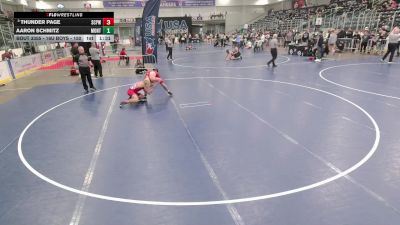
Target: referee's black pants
{"type": "Point", "coordinates": [85, 74]}
{"type": "Point", "coordinates": [169, 56]}
{"type": "Point", "coordinates": [391, 50]}
{"type": "Point", "coordinates": [274, 53]}
{"type": "Point", "coordinates": [98, 69]}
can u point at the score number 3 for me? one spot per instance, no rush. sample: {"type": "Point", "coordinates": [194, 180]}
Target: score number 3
{"type": "Point", "coordinates": [108, 21]}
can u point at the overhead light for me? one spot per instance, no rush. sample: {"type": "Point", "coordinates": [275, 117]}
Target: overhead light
{"type": "Point", "coordinates": [42, 5]}
{"type": "Point", "coordinates": [60, 6]}
{"type": "Point", "coordinates": [223, 2]}
{"type": "Point", "coordinates": [262, 2]}
{"type": "Point", "coordinates": [24, 2]}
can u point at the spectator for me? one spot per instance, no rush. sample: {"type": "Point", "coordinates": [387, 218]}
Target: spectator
{"type": "Point", "coordinates": [7, 55]}
{"type": "Point", "coordinates": [222, 40]}
{"type": "Point", "coordinates": [394, 4]}
{"type": "Point", "coordinates": [320, 47]}
{"type": "Point", "coordinates": [139, 67]}
{"type": "Point", "coordinates": [114, 44]}
{"type": "Point", "coordinates": [349, 33]}
{"type": "Point", "coordinates": [341, 34]}
{"type": "Point", "coordinates": [175, 39]}
{"type": "Point", "coordinates": [123, 56]}
{"type": "Point", "coordinates": [305, 37]}
{"type": "Point", "coordinates": [238, 40]}
{"type": "Point", "coordinates": [364, 40]}
{"type": "Point", "coordinates": [95, 58]}
{"type": "Point", "coordinates": [357, 39]}
{"type": "Point", "coordinates": [27, 49]}
{"type": "Point", "coordinates": [288, 38]}
{"type": "Point", "coordinates": [262, 39]}
{"type": "Point", "coordinates": [74, 52]}
{"type": "Point", "coordinates": [332, 41]}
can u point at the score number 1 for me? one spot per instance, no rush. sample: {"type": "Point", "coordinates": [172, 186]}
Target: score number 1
{"type": "Point", "coordinates": [108, 26]}
{"type": "Point", "coordinates": [108, 30]}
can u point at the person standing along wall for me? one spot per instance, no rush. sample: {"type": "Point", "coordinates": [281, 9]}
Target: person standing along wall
{"type": "Point", "coordinates": [333, 38]}
{"type": "Point", "coordinates": [356, 40]}
{"type": "Point", "coordinates": [320, 47]}
{"type": "Point", "coordinates": [222, 39]}
{"type": "Point", "coordinates": [262, 41]}
{"type": "Point", "coordinates": [288, 38]}
{"type": "Point", "coordinates": [364, 40]}
{"type": "Point", "coordinates": [95, 58]}
{"type": "Point", "coordinates": [74, 52]}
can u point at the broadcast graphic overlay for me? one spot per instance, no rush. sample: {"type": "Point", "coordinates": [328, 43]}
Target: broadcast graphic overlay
{"type": "Point", "coordinates": [64, 26]}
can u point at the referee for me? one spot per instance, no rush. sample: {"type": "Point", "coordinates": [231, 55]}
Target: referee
{"type": "Point", "coordinates": [393, 40]}
{"type": "Point", "coordinates": [83, 63]}
{"type": "Point", "coordinates": [274, 50]}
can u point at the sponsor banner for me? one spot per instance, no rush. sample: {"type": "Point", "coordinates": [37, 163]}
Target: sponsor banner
{"type": "Point", "coordinates": [5, 74]}
{"type": "Point", "coordinates": [24, 65]}
{"type": "Point", "coordinates": [175, 25]}
{"type": "Point", "coordinates": [136, 32]}
{"type": "Point", "coordinates": [47, 57]}
{"type": "Point", "coordinates": [164, 3]}
{"type": "Point", "coordinates": [149, 28]}
{"type": "Point", "coordinates": [166, 26]}
{"type": "Point", "coordinates": [59, 53]}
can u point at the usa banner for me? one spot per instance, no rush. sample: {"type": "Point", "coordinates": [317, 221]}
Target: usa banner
{"type": "Point", "coordinates": [149, 27]}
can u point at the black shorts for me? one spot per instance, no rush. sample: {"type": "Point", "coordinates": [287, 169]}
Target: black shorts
{"type": "Point", "coordinates": [237, 55]}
